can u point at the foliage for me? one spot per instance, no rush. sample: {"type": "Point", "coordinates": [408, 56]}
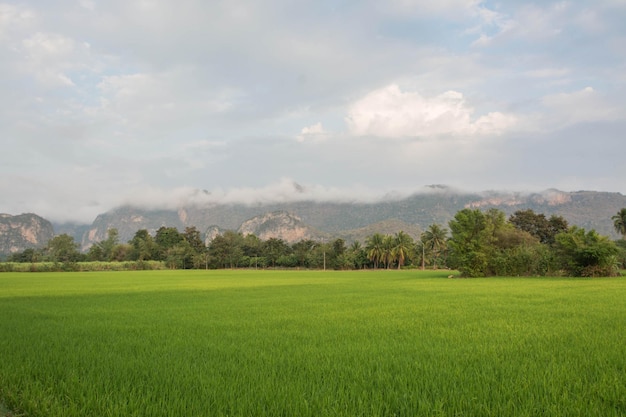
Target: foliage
{"type": "Point", "coordinates": [375, 249]}
{"type": "Point", "coordinates": [587, 254]}
{"type": "Point", "coordinates": [62, 248]}
{"type": "Point", "coordinates": [435, 242]}
{"type": "Point", "coordinates": [480, 244]}
{"type": "Point", "coordinates": [619, 222]}
{"type": "Point", "coordinates": [483, 244]}
{"type": "Point", "coordinates": [538, 226]}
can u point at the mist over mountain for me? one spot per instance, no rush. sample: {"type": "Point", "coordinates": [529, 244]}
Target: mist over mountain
{"type": "Point", "coordinates": [347, 219]}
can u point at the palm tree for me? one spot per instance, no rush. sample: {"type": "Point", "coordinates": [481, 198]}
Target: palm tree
{"type": "Point", "coordinates": [374, 248]}
{"type": "Point", "coordinates": [619, 221]}
{"type": "Point", "coordinates": [434, 239]}
{"type": "Point", "coordinates": [388, 254]}
{"type": "Point", "coordinates": [402, 247]}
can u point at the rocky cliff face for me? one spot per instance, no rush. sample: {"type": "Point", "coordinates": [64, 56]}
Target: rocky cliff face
{"type": "Point", "coordinates": [22, 232]}
{"type": "Point", "coordinates": [279, 225]}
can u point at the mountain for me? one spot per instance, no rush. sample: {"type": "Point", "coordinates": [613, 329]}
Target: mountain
{"type": "Point", "coordinates": [279, 225]}
{"type": "Point", "coordinates": [23, 231]}
{"type": "Point", "coordinates": [320, 220]}
{"type": "Point", "coordinates": [355, 221]}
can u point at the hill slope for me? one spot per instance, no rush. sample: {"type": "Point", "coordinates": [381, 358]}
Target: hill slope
{"type": "Point", "coordinates": [23, 231]}
{"type": "Point", "coordinates": [588, 209]}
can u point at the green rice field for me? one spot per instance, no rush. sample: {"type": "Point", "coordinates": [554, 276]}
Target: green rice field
{"type": "Point", "coordinates": [310, 343]}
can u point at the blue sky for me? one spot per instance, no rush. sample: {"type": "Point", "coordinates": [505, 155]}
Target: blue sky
{"type": "Point", "coordinates": [144, 101]}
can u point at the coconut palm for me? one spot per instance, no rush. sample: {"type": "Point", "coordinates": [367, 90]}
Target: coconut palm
{"type": "Point", "coordinates": [374, 248]}
{"type": "Point", "coordinates": [434, 239]}
{"type": "Point", "coordinates": [388, 254]}
{"type": "Point", "coordinates": [619, 221]}
{"type": "Point", "coordinates": [402, 244]}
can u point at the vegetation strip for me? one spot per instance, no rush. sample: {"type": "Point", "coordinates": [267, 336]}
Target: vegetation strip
{"type": "Point", "coordinates": [481, 243]}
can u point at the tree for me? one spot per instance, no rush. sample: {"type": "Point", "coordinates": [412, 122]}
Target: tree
{"type": "Point", "coordinates": [252, 250]}
{"type": "Point", "coordinates": [374, 248]}
{"type": "Point", "coordinates": [143, 246]}
{"type": "Point", "coordinates": [302, 251]}
{"type": "Point", "coordinates": [435, 240]}
{"type": "Point", "coordinates": [192, 236]}
{"type": "Point", "coordinates": [62, 248]}
{"type": "Point", "coordinates": [103, 251]}
{"type": "Point", "coordinates": [274, 248]}
{"type": "Point", "coordinates": [587, 254]}
{"type": "Point", "coordinates": [619, 222]}
{"type": "Point", "coordinates": [166, 238]}
{"type": "Point", "coordinates": [227, 249]}
{"type": "Point", "coordinates": [537, 225]}
{"type": "Point", "coordinates": [402, 246]}
{"type": "Point", "coordinates": [388, 255]}
{"type": "Point", "coordinates": [28, 255]}
{"type": "Point", "coordinates": [470, 242]}
{"type": "Point", "coordinates": [357, 254]}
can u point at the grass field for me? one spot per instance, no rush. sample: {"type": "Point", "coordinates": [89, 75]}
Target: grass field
{"type": "Point", "coordinates": [310, 343]}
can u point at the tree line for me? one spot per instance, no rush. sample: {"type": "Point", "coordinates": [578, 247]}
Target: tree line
{"type": "Point", "coordinates": [477, 243]}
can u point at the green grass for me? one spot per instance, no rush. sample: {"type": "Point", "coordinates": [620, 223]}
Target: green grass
{"type": "Point", "coordinates": [309, 343]}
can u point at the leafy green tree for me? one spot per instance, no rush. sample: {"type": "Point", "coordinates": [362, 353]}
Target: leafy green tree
{"type": "Point", "coordinates": [374, 248]}
{"type": "Point", "coordinates": [192, 236]}
{"type": "Point", "coordinates": [29, 255]}
{"type": "Point", "coordinates": [121, 252]}
{"type": "Point", "coordinates": [302, 251]}
{"type": "Point", "coordinates": [144, 248]}
{"type": "Point", "coordinates": [166, 238]}
{"type": "Point", "coordinates": [556, 225]}
{"type": "Point", "coordinates": [62, 248]}
{"type": "Point", "coordinates": [474, 240]}
{"type": "Point", "coordinates": [619, 222]}
{"type": "Point", "coordinates": [227, 249]}
{"type": "Point", "coordinates": [357, 255]}
{"type": "Point", "coordinates": [402, 247]}
{"type": "Point", "coordinates": [95, 253]}
{"type": "Point", "coordinates": [435, 240]}
{"type": "Point", "coordinates": [469, 242]}
{"type": "Point", "coordinates": [318, 255]}
{"type": "Point", "coordinates": [108, 245]}
{"type": "Point", "coordinates": [389, 256]}
{"type": "Point", "coordinates": [253, 249]}
{"type": "Point", "coordinates": [587, 254]}
{"type": "Point", "coordinates": [538, 226]}
{"type": "Point", "coordinates": [274, 248]}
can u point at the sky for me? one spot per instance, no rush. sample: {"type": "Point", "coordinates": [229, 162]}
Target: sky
{"type": "Point", "coordinates": [159, 103]}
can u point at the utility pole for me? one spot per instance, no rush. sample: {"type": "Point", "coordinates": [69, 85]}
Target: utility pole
{"type": "Point", "coordinates": [423, 254]}
{"type": "Point", "coordinates": [324, 251]}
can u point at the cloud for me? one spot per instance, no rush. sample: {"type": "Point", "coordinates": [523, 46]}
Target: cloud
{"type": "Point", "coordinates": [285, 190]}
{"type": "Point", "coordinates": [582, 106]}
{"type": "Point", "coordinates": [390, 112]}
{"type": "Point", "coordinates": [49, 57]}
{"type": "Point", "coordinates": [314, 132]}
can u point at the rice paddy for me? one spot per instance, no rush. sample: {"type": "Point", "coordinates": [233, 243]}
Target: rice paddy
{"type": "Point", "coordinates": [310, 343]}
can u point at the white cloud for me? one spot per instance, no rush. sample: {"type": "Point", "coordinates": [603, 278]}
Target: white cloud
{"type": "Point", "coordinates": [390, 112]}
{"type": "Point", "coordinates": [548, 72]}
{"type": "Point", "coordinates": [283, 191]}
{"type": "Point", "coordinates": [430, 8]}
{"type": "Point", "coordinates": [14, 17]}
{"type": "Point", "coordinates": [314, 132]}
{"type": "Point", "coordinates": [167, 100]}
{"type": "Point", "coordinates": [581, 106]}
{"type": "Point", "coordinates": [50, 56]}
